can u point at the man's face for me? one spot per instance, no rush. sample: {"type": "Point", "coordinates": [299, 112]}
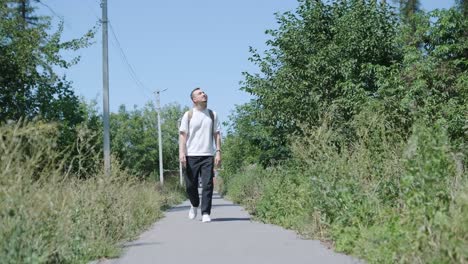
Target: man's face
{"type": "Point", "coordinates": [199, 96]}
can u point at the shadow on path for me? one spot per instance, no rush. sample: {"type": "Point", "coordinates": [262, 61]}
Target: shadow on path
{"type": "Point", "coordinates": [130, 245]}
{"type": "Point", "coordinates": [228, 219]}
{"type": "Point", "coordinates": [187, 207]}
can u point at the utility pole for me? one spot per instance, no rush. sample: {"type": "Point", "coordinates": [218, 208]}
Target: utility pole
{"type": "Point", "coordinates": [158, 108]}
{"type": "Point", "coordinates": [105, 88]}
{"type": "Point", "coordinates": [181, 174]}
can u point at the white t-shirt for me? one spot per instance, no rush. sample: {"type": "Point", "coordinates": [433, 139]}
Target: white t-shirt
{"type": "Point", "coordinates": [199, 139]}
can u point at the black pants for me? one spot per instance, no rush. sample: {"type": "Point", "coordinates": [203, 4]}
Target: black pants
{"type": "Point", "coordinates": [203, 166]}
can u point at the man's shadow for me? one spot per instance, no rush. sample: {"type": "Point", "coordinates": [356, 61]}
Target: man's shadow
{"type": "Point", "coordinates": [230, 219]}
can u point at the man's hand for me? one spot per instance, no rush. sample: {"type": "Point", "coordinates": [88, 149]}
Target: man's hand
{"type": "Point", "coordinates": [183, 160]}
{"type": "Point", "coordinates": [218, 159]}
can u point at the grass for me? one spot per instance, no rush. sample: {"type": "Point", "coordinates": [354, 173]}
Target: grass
{"type": "Point", "coordinates": [50, 216]}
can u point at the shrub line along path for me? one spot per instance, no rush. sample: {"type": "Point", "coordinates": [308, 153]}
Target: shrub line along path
{"type": "Point", "coordinates": [231, 237]}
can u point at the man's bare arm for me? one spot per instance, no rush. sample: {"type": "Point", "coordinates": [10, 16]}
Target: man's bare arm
{"type": "Point", "coordinates": [183, 148]}
{"type": "Point", "coordinates": [218, 149]}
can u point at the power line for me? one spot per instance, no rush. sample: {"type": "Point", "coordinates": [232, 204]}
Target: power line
{"type": "Point", "coordinates": [127, 63]}
{"type": "Point", "coordinates": [116, 43]}
{"type": "Point", "coordinates": [92, 10]}
{"type": "Point", "coordinates": [50, 9]}
{"type": "Point", "coordinates": [122, 54]}
{"type": "Point", "coordinates": [54, 13]}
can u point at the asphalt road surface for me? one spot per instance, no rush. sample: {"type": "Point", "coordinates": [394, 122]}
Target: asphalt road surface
{"type": "Point", "coordinates": [231, 237]}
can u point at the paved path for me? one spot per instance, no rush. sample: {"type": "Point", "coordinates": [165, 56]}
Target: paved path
{"type": "Point", "coordinates": [231, 237]}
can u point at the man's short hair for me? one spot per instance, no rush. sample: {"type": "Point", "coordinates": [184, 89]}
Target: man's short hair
{"type": "Point", "coordinates": [191, 94]}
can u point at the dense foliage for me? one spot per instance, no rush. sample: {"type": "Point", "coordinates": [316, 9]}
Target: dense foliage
{"type": "Point", "coordinates": [29, 54]}
{"type": "Point", "coordinates": [359, 123]}
{"type": "Point", "coordinates": [324, 60]}
{"type": "Point", "coordinates": [135, 138]}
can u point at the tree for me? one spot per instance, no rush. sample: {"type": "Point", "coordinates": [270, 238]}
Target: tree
{"type": "Point", "coordinates": [463, 6]}
{"type": "Point", "coordinates": [337, 59]}
{"type": "Point", "coordinates": [408, 8]}
{"type": "Point", "coordinates": [29, 87]}
{"type": "Point", "coordinates": [248, 141]}
{"type": "Point", "coordinates": [25, 11]}
{"type": "Point", "coordinates": [322, 60]}
{"type": "Point", "coordinates": [134, 138]}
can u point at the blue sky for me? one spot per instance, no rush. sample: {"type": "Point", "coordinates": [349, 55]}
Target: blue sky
{"type": "Point", "coordinates": [173, 45]}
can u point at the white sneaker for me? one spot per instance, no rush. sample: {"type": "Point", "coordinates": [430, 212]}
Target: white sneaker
{"type": "Point", "coordinates": [206, 218]}
{"type": "Point", "coordinates": [192, 213]}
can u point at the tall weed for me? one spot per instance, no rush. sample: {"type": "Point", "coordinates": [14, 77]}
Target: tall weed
{"type": "Point", "coordinates": [247, 186]}
{"type": "Point", "coordinates": [50, 216]}
{"type": "Point", "coordinates": [383, 198]}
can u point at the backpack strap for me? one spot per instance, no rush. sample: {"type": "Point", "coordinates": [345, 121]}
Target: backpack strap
{"type": "Point", "coordinates": [190, 114]}
{"type": "Point", "coordinates": [212, 122]}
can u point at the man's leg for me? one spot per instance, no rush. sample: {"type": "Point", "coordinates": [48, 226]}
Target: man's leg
{"type": "Point", "coordinates": [206, 168]}
{"type": "Point", "coordinates": [191, 180]}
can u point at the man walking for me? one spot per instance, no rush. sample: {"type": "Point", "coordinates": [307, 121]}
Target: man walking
{"type": "Point", "coordinates": [199, 152]}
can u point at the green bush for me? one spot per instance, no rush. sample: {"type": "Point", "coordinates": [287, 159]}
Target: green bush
{"type": "Point", "coordinates": [286, 198]}
{"type": "Point", "coordinates": [247, 186]}
{"type": "Point", "coordinates": [380, 199]}
{"type": "Point", "coordinates": [429, 171]}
